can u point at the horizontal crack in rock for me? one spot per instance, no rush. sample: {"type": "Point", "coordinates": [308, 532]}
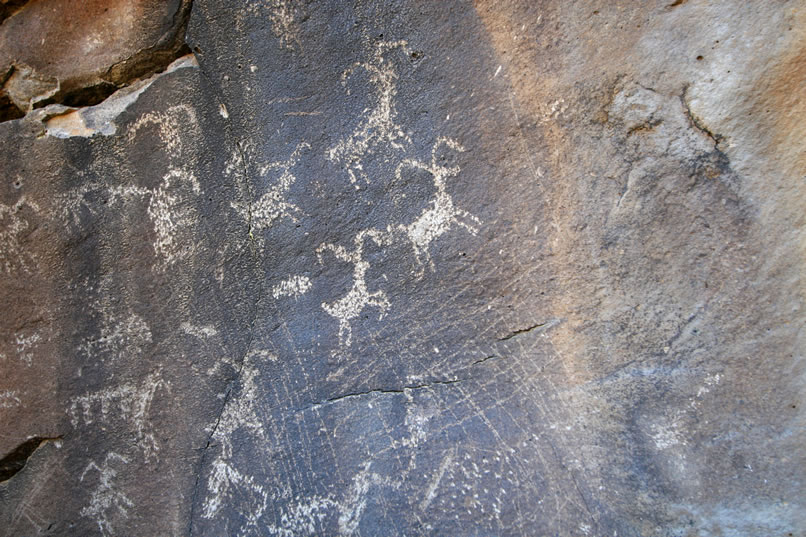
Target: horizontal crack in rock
{"type": "Point", "coordinates": [401, 390]}
{"type": "Point", "coordinates": [545, 325]}
{"type": "Point", "coordinates": [482, 360]}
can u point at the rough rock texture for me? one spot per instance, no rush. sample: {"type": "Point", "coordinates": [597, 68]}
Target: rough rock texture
{"type": "Point", "coordinates": [404, 268]}
{"type": "Point", "coordinates": [78, 53]}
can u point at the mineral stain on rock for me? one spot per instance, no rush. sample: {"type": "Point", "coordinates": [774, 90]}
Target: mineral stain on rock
{"type": "Point", "coordinates": [401, 268]}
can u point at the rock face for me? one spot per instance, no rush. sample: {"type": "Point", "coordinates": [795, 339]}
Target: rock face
{"type": "Point", "coordinates": [78, 53]}
{"type": "Point", "coordinates": [402, 268]}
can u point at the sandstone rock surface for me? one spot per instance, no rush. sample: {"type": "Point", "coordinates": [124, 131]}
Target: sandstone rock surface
{"type": "Point", "coordinates": [402, 268]}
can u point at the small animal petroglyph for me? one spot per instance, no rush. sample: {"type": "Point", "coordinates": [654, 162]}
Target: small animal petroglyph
{"type": "Point", "coordinates": [118, 338]}
{"type": "Point", "coordinates": [171, 126]}
{"type": "Point", "coordinates": [294, 286]}
{"type": "Point", "coordinates": [377, 128]}
{"type": "Point", "coordinates": [14, 221]}
{"type": "Point", "coordinates": [350, 306]}
{"type": "Point", "coordinates": [272, 205]}
{"type": "Point", "coordinates": [106, 503]}
{"type": "Point", "coordinates": [200, 332]}
{"type": "Point", "coordinates": [282, 14]}
{"type": "Point", "coordinates": [128, 403]}
{"type": "Point", "coordinates": [441, 213]}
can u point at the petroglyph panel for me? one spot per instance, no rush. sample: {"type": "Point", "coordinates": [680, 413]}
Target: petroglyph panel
{"type": "Point", "coordinates": [409, 268]}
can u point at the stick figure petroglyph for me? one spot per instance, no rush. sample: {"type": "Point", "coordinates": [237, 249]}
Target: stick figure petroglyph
{"type": "Point", "coordinates": [105, 497]}
{"type": "Point", "coordinates": [13, 256]}
{"type": "Point", "coordinates": [350, 306]}
{"type": "Point", "coordinates": [272, 205]}
{"type": "Point", "coordinates": [240, 414]}
{"type": "Point", "coordinates": [225, 482]}
{"type": "Point", "coordinates": [441, 213]}
{"type": "Point", "coordinates": [377, 127]}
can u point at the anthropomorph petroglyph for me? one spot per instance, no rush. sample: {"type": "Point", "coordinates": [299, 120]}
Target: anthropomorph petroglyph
{"type": "Point", "coordinates": [377, 129]}
{"type": "Point", "coordinates": [272, 205]}
{"type": "Point", "coordinates": [129, 403]}
{"type": "Point", "coordinates": [350, 306]}
{"type": "Point", "coordinates": [171, 215]}
{"type": "Point", "coordinates": [226, 481]}
{"type": "Point", "coordinates": [441, 213]}
{"type": "Point", "coordinates": [107, 504]}
{"type": "Point", "coordinates": [13, 223]}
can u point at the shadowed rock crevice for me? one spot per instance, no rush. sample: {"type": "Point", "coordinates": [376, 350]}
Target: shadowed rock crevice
{"type": "Point", "coordinates": [8, 109]}
{"type": "Point", "coordinates": [15, 461]}
{"type": "Point", "coordinates": [9, 7]}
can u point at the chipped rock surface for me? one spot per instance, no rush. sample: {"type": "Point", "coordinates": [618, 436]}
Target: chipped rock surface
{"type": "Point", "coordinates": [402, 268]}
